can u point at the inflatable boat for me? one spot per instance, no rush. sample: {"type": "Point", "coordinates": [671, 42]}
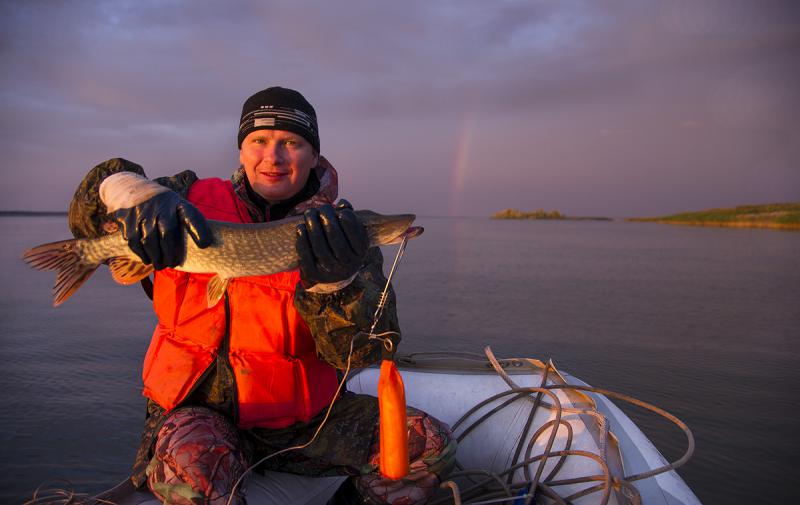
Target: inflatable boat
{"type": "Point", "coordinates": [527, 433]}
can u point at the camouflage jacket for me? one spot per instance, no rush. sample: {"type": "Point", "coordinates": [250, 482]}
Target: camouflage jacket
{"type": "Point", "coordinates": [334, 318]}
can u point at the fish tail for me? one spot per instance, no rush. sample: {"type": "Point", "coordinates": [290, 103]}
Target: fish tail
{"type": "Point", "coordinates": [64, 257]}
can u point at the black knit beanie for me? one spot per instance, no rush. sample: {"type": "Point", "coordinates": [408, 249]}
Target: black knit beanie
{"type": "Point", "coordinates": [279, 108]}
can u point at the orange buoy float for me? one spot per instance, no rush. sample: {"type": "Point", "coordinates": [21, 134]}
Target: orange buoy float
{"type": "Point", "coordinates": [393, 427]}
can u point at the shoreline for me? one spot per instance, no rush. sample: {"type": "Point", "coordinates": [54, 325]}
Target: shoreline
{"type": "Point", "coordinates": [722, 224]}
{"type": "Point", "coordinates": [552, 218]}
{"type": "Point", "coordinates": [543, 215]}
{"type": "Point", "coordinates": [775, 216]}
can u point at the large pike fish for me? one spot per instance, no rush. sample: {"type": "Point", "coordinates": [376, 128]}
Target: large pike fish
{"type": "Point", "coordinates": [238, 250]}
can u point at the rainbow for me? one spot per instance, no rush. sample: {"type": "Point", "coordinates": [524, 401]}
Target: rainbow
{"type": "Point", "coordinates": [461, 164]}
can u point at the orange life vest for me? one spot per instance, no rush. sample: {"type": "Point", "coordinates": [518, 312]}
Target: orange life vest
{"type": "Point", "coordinates": [279, 379]}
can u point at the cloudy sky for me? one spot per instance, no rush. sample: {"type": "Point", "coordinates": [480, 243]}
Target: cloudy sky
{"type": "Point", "coordinates": [464, 107]}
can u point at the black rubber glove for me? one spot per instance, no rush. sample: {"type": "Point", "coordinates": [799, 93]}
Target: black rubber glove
{"type": "Point", "coordinates": [154, 229]}
{"type": "Point", "coordinates": [331, 244]}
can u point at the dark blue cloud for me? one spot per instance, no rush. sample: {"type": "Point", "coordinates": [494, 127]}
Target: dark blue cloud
{"type": "Point", "coordinates": [626, 107]}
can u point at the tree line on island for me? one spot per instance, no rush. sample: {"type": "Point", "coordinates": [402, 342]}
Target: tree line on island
{"type": "Point", "coordinates": [542, 214]}
{"type": "Point", "coordinates": [782, 216]}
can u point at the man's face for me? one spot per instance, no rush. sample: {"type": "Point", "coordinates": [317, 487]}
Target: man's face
{"type": "Point", "coordinates": [277, 163]}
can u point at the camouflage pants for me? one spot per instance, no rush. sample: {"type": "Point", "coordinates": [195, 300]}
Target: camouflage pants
{"type": "Point", "coordinates": [199, 454]}
{"type": "Point", "coordinates": [197, 458]}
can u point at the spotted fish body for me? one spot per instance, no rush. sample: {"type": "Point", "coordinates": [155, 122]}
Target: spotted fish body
{"type": "Point", "coordinates": [237, 250]}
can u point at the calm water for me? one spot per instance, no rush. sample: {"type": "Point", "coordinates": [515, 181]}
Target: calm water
{"type": "Point", "coordinates": [703, 322]}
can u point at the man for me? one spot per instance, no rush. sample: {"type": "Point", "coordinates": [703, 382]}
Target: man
{"type": "Point", "coordinates": [232, 384]}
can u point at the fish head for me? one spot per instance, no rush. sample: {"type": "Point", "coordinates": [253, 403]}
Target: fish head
{"type": "Point", "coordinates": [384, 230]}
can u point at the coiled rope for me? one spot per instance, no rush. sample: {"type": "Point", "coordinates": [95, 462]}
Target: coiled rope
{"type": "Point", "coordinates": [500, 487]}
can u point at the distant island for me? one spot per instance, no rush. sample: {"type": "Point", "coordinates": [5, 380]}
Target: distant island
{"type": "Point", "coordinates": [782, 216]}
{"type": "Point", "coordinates": [542, 214]}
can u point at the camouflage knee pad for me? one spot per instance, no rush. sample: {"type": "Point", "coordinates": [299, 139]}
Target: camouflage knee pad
{"type": "Point", "coordinates": [432, 455]}
{"type": "Point", "coordinates": [197, 459]}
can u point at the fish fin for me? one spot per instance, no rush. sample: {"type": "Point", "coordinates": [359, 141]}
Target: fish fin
{"type": "Point", "coordinates": [216, 288]}
{"type": "Point", "coordinates": [63, 257]}
{"type": "Point", "coordinates": [128, 270]}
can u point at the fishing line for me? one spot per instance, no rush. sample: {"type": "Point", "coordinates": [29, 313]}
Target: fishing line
{"type": "Point", "coordinates": [387, 343]}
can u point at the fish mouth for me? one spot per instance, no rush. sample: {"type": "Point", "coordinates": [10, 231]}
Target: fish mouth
{"type": "Point", "coordinates": [393, 229]}
{"type": "Point", "coordinates": [411, 232]}
{"type": "Point", "coordinates": [414, 232]}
